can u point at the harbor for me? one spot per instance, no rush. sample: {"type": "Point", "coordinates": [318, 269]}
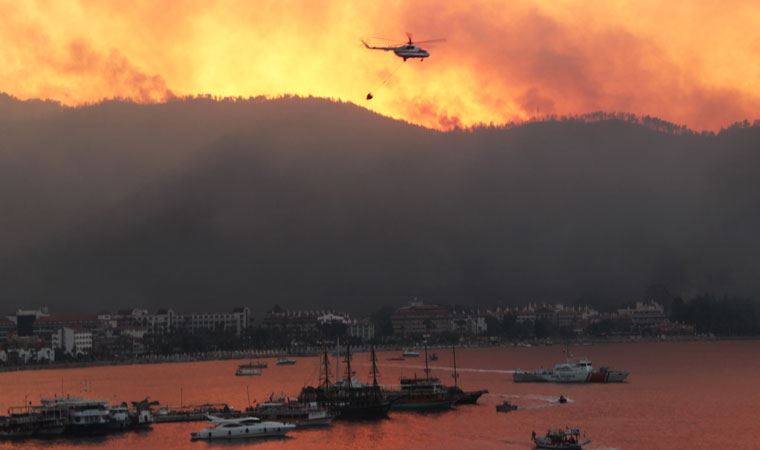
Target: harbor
{"type": "Point", "coordinates": [272, 395]}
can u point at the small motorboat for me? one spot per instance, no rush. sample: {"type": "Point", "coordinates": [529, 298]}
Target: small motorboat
{"type": "Point", "coordinates": [562, 399]}
{"type": "Point", "coordinates": [560, 439]}
{"type": "Point", "coordinates": [506, 407]}
{"type": "Point", "coordinates": [285, 362]}
{"type": "Point", "coordinates": [241, 428]}
{"type": "Point", "coordinates": [243, 371]}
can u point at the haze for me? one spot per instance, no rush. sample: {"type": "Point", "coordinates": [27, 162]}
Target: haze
{"type": "Point", "coordinates": [203, 204]}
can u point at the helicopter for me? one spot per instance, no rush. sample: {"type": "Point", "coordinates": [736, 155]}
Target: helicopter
{"type": "Point", "coordinates": [407, 50]}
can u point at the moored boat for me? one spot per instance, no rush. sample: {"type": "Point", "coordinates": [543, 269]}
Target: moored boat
{"type": "Point", "coordinates": [410, 354]}
{"type": "Point", "coordinates": [348, 399]}
{"type": "Point", "coordinates": [302, 415]}
{"type": "Point", "coordinates": [241, 428]}
{"type": "Point", "coordinates": [81, 416]}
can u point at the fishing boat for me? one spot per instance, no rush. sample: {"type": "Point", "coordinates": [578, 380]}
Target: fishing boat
{"type": "Point", "coordinates": [506, 406]}
{"type": "Point", "coordinates": [241, 428]}
{"type": "Point", "coordinates": [560, 439]}
{"type": "Point", "coordinates": [348, 399]}
{"type": "Point", "coordinates": [285, 362]}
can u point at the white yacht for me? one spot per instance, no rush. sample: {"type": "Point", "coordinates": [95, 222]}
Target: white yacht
{"type": "Point", "coordinates": [241, 428]}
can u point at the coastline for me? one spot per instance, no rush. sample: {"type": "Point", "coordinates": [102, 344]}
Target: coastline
{"type": "Point", "coordinates": [315, 351]}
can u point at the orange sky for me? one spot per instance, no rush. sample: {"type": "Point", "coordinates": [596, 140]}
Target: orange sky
{"type": "Point", "coordinates": [691, 62]}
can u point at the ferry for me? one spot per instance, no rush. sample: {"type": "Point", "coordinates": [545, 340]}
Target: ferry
{"type": "Point", "coordinates": [82, 416]}
{"type": "Point", "coordinates": [241, 428]}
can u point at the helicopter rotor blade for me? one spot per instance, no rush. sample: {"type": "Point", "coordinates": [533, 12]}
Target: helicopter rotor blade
{"type": "Point", "coordinates": [430, 41]}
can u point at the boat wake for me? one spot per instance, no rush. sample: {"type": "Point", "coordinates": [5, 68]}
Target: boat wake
{"type": "Point", "coordinates": [450, 369]}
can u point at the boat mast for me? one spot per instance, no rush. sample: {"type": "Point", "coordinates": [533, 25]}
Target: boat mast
{"type": "Point", "coordinates": [326, 362]}
{"type": "Point", "coordinates": [348, 364]}
{"type": "Point", "coordinates": [456, 375]}
{"type": "Point", "coordinates": [337, 360]}
{"type": "Point", "coordinates": [427, 369]}
{"type": "Point", "coordinates": [374, 367]}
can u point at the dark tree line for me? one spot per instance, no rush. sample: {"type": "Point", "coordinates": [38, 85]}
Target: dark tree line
{"type": "Point", "coordinates": [725, 316]}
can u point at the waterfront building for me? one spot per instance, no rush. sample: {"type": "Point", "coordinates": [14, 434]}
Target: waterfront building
{"type": "Point", "coordinates": [418, 318]}
{"type": "Point", "coordinates": [362, 329]}
{"type": "Point", "coordinates": [644, 314]}
{"type": "Point", "coordinates": [237, 321]}
{"type": "Point", "coordinates": [72, 342]}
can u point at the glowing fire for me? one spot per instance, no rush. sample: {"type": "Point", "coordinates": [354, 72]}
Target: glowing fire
{"type": "Point", "coordinates": [697, 64]}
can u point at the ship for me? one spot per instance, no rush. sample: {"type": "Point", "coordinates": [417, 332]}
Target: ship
{"type": "Point", "coordinates": [571, 371]}
{"type": "Point", "coordinates": [348, 399]}
{"type": "Point", "coordinates": [423, 394]}
{"type": "Point", "coordinates": [81, 416]}
{"type": "Point", "coordinates": [302, 415]}
{"type": "Point", "coordinates": [463, 397]}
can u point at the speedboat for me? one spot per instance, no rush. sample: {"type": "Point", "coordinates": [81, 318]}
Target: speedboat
{"type": "Point", "coordinates": [247, 371]}
{"type": "Point", "coordinates": [285, 362]}
{"type": "Point", "coordinates": [506, 407]}
{"type": "Point", "coordinates": [562, 399]}
{"type": "Point", "coordinates": [560, 439]}
{"type": "Point", "coordinates": [241, 428]}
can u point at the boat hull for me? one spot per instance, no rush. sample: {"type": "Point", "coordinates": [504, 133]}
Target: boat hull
{"type": "Point", "coordinates": [412, 405]}
{"type": "Point", "coordinates": [364, 412]}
